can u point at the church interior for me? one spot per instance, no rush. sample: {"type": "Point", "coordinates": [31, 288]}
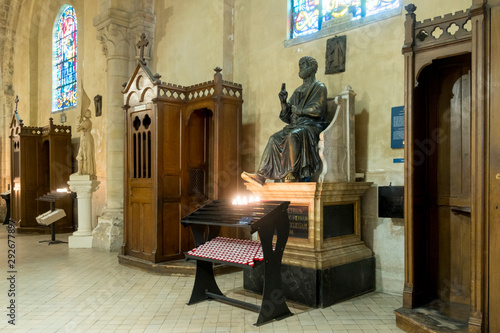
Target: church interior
{"type": "Point", "coordinates": [398, 230]}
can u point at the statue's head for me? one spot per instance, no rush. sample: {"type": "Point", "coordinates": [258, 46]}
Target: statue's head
{"type": "Point", "coordinates": [307, 66]}
{"type": "Point", "coordinates": [87, 114]}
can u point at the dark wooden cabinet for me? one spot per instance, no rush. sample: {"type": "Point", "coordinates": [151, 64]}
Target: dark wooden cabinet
{"type": "Point", "coordinates": [451, 171]}
{"type": "Point", "coordinates": [181, 150]}
{"type": "Point", "coordinates": [40, 163]}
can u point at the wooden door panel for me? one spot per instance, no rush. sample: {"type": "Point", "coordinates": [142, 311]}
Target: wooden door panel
{"type": "Point", "coordinates": [171, 229]}
{"type": "Point", "coordinates": [454, 257]}
{"type": "Point", "coordinates": [148, 229]}
{"type": "Point", "coordinates": [172, 187]}
{"type": "Point", "coordinates": [142, 220]}
{"type": "Point", "coordinates": [453, 124]}
{"type": "Point", "coordinates": [134, 223]}
{"type": "Point", "coordinates": [171, 142]}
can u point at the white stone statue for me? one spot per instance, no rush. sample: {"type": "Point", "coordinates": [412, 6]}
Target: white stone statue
{"type": "Point", "coordinates": [86, 153]}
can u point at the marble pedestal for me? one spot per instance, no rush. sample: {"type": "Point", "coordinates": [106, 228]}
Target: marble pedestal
{"type": "Point", "coordinates": [325, 260]}
{"type": "Point", "coordinates": [83, 186]}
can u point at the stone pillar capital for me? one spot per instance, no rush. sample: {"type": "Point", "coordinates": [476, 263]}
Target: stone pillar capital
{"type": "Point", "coordinates": [112, 31]}
{"type": "Point", "coordinates": [118, 31]}
{"type": "Point", "coordinates": [83, 185]}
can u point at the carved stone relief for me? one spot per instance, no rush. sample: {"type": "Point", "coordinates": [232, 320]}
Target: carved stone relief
{"type": "Point", "coordinates": [335, 55]}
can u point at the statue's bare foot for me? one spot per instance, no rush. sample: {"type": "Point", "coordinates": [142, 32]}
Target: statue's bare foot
{"type": "Point", "coordinates": [253, 178]}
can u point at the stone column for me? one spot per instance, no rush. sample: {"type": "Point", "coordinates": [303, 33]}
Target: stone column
{"type": "Point", "coordinates": [115, 46]}
{"type": "Point", "coordinates": [118, 29]}
{"type": "Point", "coordinates": [84, 186]}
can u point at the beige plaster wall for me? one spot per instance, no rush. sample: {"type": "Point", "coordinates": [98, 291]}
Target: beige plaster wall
{"type": "Point", "coordinates": [374, 69]}
{"type": "Point", "coordinates": [188, 40]}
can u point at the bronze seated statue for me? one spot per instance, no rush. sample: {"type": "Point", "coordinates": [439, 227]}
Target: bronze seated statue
{"type": "Point", "coordinates": [293, 151]}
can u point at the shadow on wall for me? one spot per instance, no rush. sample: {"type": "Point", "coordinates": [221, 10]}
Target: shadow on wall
{"type": "Point", "coordinates": [362, 121]}
{"type": "Point", "coordinates": [247, 147]}
{"type": "Point", "coordinates": [163, 15]}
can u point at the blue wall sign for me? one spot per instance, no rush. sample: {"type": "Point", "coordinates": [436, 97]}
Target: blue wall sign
{"type": "Point", "coordinates": [398, 127]}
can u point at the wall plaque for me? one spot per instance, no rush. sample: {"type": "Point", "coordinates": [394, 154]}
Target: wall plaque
{"type": "Point", "coordinates": [335, 55]}
{"type": "Point", "coordinates": [397, 127]}
{"type": "Point", "coordinates": [299, 221]}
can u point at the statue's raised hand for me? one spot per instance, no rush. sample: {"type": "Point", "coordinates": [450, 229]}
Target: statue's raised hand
{"type": "Point", "coordinates": [283, 94]}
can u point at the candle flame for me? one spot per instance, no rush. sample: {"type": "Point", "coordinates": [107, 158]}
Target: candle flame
{"type": "Point", "coordinates": [245, 201]}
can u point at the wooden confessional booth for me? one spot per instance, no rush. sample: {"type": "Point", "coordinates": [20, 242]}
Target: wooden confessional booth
{"type": "Point", "coordinates": [40, 163]}
{"type": "Point", "coordinates": [452, 175]}
{"type": "Point", "coordinates": [181, 150]}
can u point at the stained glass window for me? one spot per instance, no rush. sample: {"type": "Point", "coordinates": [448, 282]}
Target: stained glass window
{"type": "Point", "coordinates": [64, 60]}
{"type": "Point", "coordinates": [305, 17]}
{"type": "Point", "coordinates": [308, 15]}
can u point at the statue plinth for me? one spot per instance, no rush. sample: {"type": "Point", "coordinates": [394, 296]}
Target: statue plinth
{"type": "Point", "coordinates": [325, 259]}
{"type": "Point", "coordinates": [83, 186]}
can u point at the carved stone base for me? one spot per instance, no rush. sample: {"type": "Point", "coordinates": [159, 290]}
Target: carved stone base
{"type": "Point", "coordinates": [108, 234]}
{"type": "Point", "coordinates": [325, 257]}
{"type": "Point", "coordinates": [325, 222]}
{"type": "Point", "coordinates": [316, 287]}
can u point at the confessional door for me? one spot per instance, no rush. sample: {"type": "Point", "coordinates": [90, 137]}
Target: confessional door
{"type": "Point", "coordinates": [442, 149]}
{"type": "Point", "coordinates": [141, 231]}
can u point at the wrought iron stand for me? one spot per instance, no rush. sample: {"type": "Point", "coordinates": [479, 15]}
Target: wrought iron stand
{"type": "Point", "coordinates": [52, 198]}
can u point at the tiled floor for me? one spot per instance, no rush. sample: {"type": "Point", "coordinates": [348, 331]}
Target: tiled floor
{"type": "Point", "coordinates": [84, 290]}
